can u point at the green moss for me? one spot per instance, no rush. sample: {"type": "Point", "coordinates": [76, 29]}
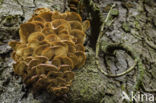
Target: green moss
{"type": "Point", "coordinates": [115, 12]}
{"type": "Point", "coordinates": [137, 25]}
{"type": "Point", "coordinates": [1, 2]}
{"type": "Point", "coordinates": [126, 27]}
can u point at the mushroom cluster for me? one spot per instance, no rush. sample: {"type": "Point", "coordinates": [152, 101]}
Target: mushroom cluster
{"type": "Point", "coordinates": [50, 47]}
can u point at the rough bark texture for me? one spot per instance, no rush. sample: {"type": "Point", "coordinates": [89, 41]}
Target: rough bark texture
{"type": "Point", "coordinates": [132, 23]}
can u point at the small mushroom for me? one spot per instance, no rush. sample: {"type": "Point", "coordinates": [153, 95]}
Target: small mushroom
{"type": "Point", "coordinates": [20, 48]}
{"type": "Point", "coordinates": [79, 35]}
{"type": "Point", "coordinates": [80, 47]}
{"type": "Point", "coordinates": [58, 60]}
{"type": "Point", "coordinates": [71, 16]}
{"type": "Point", "coordinates": [54, 74]}
{"type": "Point", "coordinates": [68, 75]}
{"type": "Point", "coordinates": [39, 25]}
{"type": "Point", "coordinates": [41, 10]}
{"type": "Point", "coordinates": [26, 29]}
{"type": "Point", "coordinates": [33, 63]}
{"type": "Point", "coordinates": [81, 58]}
{"type": "Point", "coordinates": [14, 56]}
{"type": "Point", "coordinates": [59, 90]}
{"type": "Point", "coordinates": [35, 43]}
{"type": "Point", "coordinates": [71, 46]}
{"type": "Point", "coordinates": [73, 57]}
{"type": "Point", "coordinates": [52, 38]}
{"type": "Point", "coordinates": [62, 28]}
{"type": "Point", "coordinates": [31, 80]}
{"type": "Point", "coordinates": [76, 25]}
{"type": "Point", "coordinates": [48, 25]}
{"type": "Point", "coordinates": [64, 36]}
{"type": "Point", "coordinates": [36, 36]}
{"type": "Point", "coordinates": [58, 22]}
{"type": "Point", "coordinates": [41, 83]}
{"type": "Point", "coordinates": [60, 48]}
{"type": "Point", "coordinates": [49, 52]}
{"type": "Point", "coordinates": [45, 68]}
{"type": "Point", "coordinates": [65, 67]}
{"type": "Point", "coordinates": [14, 44]}
{"type": "Point", "coordinates": [28, 59]}
{"type": "Point", "coordinates": [43, 59]}
{"type": "Point", "coordinates": [28, 51]}
{"type": "Point", "coordinates": [47, 16]}
{"type": "Point", "coordinates": [38, 18]}
{"type": "Point", "coordinates": [58, 15]}
{"type": "Point", "coordinates": [86, 25]}
{"type": "Point", "coordinates": [38, 51]}
{"type": "Point", "coordinates": [48, 31]}
{"type": "Point", "coordinates": [52, 83]}
{"type": "Point", "coordinates": [60, 81]}
{"type": "Point", "coordinates": [20, 67]}
{"type": "Point", "coordinates": [30, 72]}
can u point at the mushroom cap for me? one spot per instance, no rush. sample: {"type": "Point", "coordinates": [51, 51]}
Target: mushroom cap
{"type": "Point", "coordinates": [34, 62]}
{"type": "Point", "coordinates": [28, 59]}
{"type": "Point", "coordinates": [68, 75]}
{"type": "Point", "coordinates": [58, 15]}
{"type": "Point", "coordinates": [86, 25]}
{"type": "Point", "coordinates": [30, 72]}
{"type": "Point", "coordinates": [38, 51]}
{"type": "Point", "coordinates": [74, 58]}
{"type": "Point", "coordinates": [35, 43]}
{"type": "Point", "coordinates": [61, 81]}
{"type": "Point", "coordinates": [43, 59]}
{"type": "Point", "coordinates": [41, 10]}
{"type": "Point", "coordinates": [49, 52]}
{"type": "Point", "coordinates": [47, 16]}
{"type": "Point", "coordinates": [71, 46]}
{"type": "Point", "coordinates": [54, 74]}
{"type": "Point", "coordinates": [58, 60]}
{"type": "Point", "coordinates": [20, 48]}
{"type": "Point", "coordinates": [65, 67]}
{"type": "Point", "coordinates": [75, 25]}
{"type": "Point", "coordinates": [45, 68]}
{"type": "Point", "coordinates": [62, 28]}
{"type": "Point", "coordinates": [15, 57]}
{"type": "Point", "coordinates": [52, 38]}
{"type": "Point", "coordinates": [48, 31]}
{"type": "Point", "coordinates": [73, 16]}
{"type": "Point", "coordinates": [31, 80]}
{"type": "Point", "coordinates": [39, 25]}
{"type": "Point", "coordinates": [41, 83]}
{"type": "Point", "coordinates": [52, 83]}
{"type": "Point", "coordinates": [26, 29]}
{"type": "Point", "coordinates": [78, 35]}
{"type": "Point", "coordinates": [28, 51]}
{"type": "Point", "coordinates": [81, 58]}
{"type": "Point", "coordinates": [37, 18]}
{"type": "Point", "coordinates": [14, 44]}
{"type": "Point", "coordinates": [80, 47]}
{"type": "Point", "coordinates": [58, 22]}
{"type": "Point", "coordinates": [48, 25]}
{"type": "Point", "coordinates": [60, 48]}
{"type": "Point", "coordinates": [20, 68]}
{"type": "Point", "coordinates": [59, 90]}
{"type": "Point", "coordinates": [36, 36]}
